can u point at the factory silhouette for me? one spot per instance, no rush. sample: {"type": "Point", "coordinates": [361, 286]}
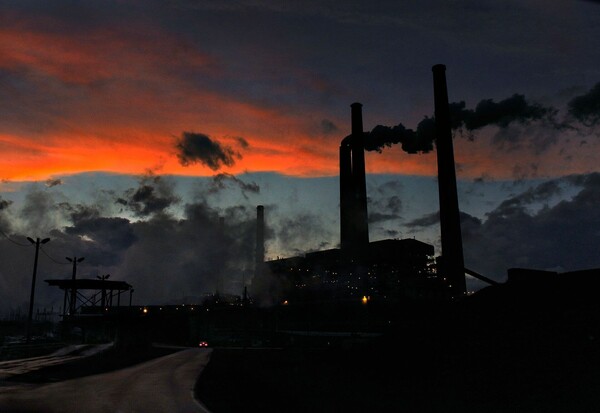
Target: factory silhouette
{"type": "Point", "coordinates": [361, 288]}
{"type": "Point", "coordinates": [389, 269]}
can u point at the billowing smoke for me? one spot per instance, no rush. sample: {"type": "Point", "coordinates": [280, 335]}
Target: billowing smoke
{"type": "Point", "coordinates": [165, 258]}
{"type": "Point", "coordinates": [502, 114]}
{"type": "Point", "coordinates": [199, 148]}
{"type": "Point", "coordinates": [586, 108]}
{"type": "Point", "coordinates": [297, 234]}
{"type": "Point", "coordinates": [515, 109]}
{"type": "Point", "coordinates": [411, 141]}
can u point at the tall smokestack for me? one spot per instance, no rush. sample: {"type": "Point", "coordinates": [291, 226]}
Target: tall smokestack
{"type": "Point", "coordinates": [260, 240]}
{"type": "Point", "coordinates": [359, 177]}
{"type": "Point", "coordinates": [453, 266]}
{"type": "Point", "coordinates": [346, 198]}
{"type": "Point", "coordinates": [354, 226]}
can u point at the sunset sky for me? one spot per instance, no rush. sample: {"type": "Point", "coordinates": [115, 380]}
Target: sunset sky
{"type": "Point", "coordinates": [121, 117]}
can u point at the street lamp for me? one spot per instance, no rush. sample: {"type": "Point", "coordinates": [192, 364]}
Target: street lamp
{"type": "Point", "coordinates": [37, 243]}
{"type": "Point", "coordinates": [74, 260]}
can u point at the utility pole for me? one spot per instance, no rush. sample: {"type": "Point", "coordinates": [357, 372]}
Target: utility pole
{"type": "Point", "coordinates": [74, 260]}
{"type": "Point", "coordinates": [37, 243]}
{"type": "Point", "coordinates": [102, 278]}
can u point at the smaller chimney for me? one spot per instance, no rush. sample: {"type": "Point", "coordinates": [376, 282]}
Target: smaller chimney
{"type": "Point", "coordinates": [260, 240]}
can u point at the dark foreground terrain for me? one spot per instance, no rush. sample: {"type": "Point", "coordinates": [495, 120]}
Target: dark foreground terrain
{"type": "Point", "coordinates": [106, 361]}
{"type": "Point", "coordinates": [503, 351]}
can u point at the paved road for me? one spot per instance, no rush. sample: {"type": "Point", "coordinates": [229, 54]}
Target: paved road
{"type": "Point", "coordinates": [64, 355]}
{"type": "Point", "coordinates": [165, 385]}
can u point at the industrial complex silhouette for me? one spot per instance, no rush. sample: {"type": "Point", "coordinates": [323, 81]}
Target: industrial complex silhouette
{"type": "Point", "coordinates": [380, 275]}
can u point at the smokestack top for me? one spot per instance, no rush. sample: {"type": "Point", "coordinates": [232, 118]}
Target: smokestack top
{"type": "Point", "coordinates": [357, 124]}
{"type": "Point", "coordinates": [439, 68]}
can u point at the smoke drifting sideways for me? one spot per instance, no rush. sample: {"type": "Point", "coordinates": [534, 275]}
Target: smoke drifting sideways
{"type": "Point", "coordinates": [515, 109]}
{"type": "Point", "coordinates": [167, 258]}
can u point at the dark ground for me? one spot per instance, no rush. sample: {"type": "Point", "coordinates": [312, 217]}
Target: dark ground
{"type": "Point", "coordinates": [501, 352]}
{"type": "Point", "coordinates": [110, 360]}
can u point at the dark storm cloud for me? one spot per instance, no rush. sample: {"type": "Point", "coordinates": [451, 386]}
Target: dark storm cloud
{"type": "Point", "coordinates": [5, 220]}
{"type": "Point", "coordinates": [243, 143]}
{"type": "Point", "coordinates": [220, 182]}
{"type": "Point", "coordinates": [53, 182]}
{"type": "Point", "coordinates": [540, 193]}
{"type": "Point", "coordinates": [107, 237]}
{"type": "Point", "coordinates": [328, 127]}
{"type": "Point", "coordinates": [384, 209]}
{"type": "Point", "coordinates": [4, 203]}
{"type": "Point", "coordinates": [502, 114]}
{"type": "Point", "coordinates": [426, 220]}
{"type": "Point", "coordinates": [586, 108]}
{"type": "Point", "coordinates": [40, 212]}
{"type": "Point", "coordinates": [79, 212]}
{"type": "Point", "coordinates": [563, 236]}
{"type": "Point", "coordinates": [197, 147]}
{"type": "Point", "coordinates": [154, 195]}
{"type": "Point", "coordinates": [384, 203]}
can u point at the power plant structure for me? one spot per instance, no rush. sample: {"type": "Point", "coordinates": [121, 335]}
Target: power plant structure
{"type": "Point", "coordinates": [392, 268]}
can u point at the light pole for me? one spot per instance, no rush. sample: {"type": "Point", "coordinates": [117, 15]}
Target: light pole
{"type": "Point", "coordinates": [102, 278]}
{"type": "Point", "coordinates": [37, 243]}
{"type": "Point", "coordinates": [74, 260]}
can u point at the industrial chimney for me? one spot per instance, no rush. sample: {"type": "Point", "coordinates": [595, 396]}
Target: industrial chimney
{"type": "Point", "coordinates": [260, 241]}
{"type": "Point", "coordinates": [452, 260]}
{"type": "Point", "coordinates": [354, 227]}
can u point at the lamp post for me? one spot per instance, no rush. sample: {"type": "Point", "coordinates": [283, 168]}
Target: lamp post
{"type": "Point", "coordinates": [102, 278]}
{"type": "Point", "coordinates": [74, 260]}
{"type": "Point", "coordinates": [37, 243]}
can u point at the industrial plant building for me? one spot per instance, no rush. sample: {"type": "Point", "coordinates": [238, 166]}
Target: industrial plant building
{"type": "Point", "coordinates": [390, 269]}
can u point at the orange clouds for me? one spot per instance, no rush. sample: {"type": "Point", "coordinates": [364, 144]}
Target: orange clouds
{"type": "Point", "coordinates": [116, 99]}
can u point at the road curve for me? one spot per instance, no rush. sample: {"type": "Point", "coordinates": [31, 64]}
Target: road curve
{"type": "Point", "coordinates": [165, 384]}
